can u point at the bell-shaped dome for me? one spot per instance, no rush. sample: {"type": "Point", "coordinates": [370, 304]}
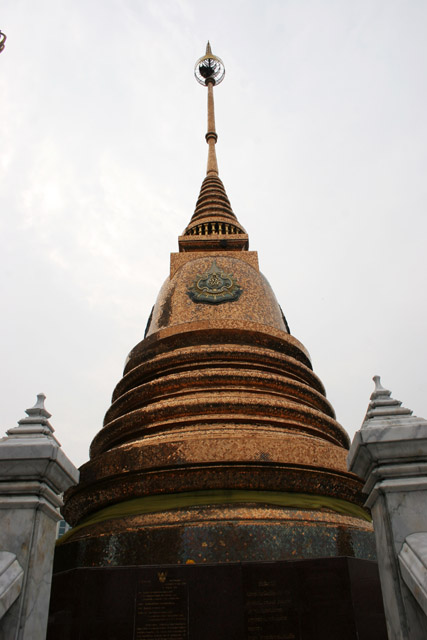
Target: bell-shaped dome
{"type": "Point", "coordinates": [187, 296]}
{"type": "Point", "coordinates": [218, 408]}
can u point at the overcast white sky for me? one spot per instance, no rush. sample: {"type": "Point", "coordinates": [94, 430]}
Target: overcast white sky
{"type": "Point", "coordinates": [322, 149]}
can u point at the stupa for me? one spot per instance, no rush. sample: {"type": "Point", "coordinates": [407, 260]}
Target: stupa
{"type": "Point", "coordinates": [219, 424]}
{"type": "Point", "coordinates": [220, 445]}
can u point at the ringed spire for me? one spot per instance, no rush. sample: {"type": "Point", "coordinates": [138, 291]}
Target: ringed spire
{"type": "Point", "coordinates": [209, 70]}
{"type": "Point", "coordinates": [213, 225]}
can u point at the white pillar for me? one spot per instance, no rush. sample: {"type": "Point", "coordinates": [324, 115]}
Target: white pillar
{"type": "Point", "coordinates": [389, 452]}
{"type": "Point", "coordinates": [34, 472]}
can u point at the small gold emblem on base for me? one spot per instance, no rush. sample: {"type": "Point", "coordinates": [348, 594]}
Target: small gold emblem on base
{"type": "Point", "coordinates": [214, 287]}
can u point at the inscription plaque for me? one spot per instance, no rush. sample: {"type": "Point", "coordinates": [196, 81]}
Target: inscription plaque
{"type": "Point", "coordinates": [161, 608]}
{"type": "Point", "coordinates": [270, 613]}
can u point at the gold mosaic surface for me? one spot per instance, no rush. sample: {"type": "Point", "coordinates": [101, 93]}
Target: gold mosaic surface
{"type": "Point", "coordinates": [217, 397]}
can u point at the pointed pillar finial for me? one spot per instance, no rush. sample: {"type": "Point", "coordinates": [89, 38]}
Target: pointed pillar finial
{"type": "Point", "coordinates": [209, 70]}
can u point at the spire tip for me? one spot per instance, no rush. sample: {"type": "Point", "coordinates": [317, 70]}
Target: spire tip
{"type": "Point", "coordinates": [378, 385]}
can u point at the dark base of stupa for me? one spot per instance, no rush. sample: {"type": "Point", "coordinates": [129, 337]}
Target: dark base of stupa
{"type": "Point", "coordinates": [320, 599]}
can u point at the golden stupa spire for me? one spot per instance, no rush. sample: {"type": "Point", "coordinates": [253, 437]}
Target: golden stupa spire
{"type": "Point", "coordinates": [213, 224]}
{"type": "Point", "coordinates": [219, 445]}
{"type": "Point", "coordinates": [209, 70]}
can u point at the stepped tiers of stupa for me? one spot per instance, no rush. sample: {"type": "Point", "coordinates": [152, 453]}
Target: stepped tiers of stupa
{"type": "Point", "coordinates": [219, 445]}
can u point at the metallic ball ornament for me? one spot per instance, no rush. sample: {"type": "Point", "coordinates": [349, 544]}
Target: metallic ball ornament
{"type": "Point", "coordinates": [209, 68]}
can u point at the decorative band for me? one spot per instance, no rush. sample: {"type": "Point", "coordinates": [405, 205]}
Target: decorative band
{"type": "Point", "coordinates": [166, 502]}
{"type": "Point", "coordinates": [211, 134]}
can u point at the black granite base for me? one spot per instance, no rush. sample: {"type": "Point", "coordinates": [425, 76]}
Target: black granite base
{"type": "Point", "coordinates": [322, 599]}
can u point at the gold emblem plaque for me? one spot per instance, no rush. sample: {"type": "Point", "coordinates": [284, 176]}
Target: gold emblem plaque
{"type": "Point", "coordinates": [214, 287]}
